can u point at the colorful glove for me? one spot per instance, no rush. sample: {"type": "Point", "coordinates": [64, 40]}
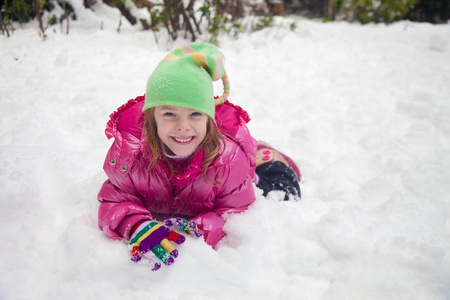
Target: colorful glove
{"type": "Point", "coordinates": [190, 227]}
{"type": "Point", "coordinates": [152, 237]}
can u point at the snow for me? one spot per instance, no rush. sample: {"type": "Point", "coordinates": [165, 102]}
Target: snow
{"type": "Point", "coordinates": [363, 110]}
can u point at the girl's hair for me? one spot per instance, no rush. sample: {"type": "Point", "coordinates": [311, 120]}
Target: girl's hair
{"type": "Point", "coordinates": [211, 144]}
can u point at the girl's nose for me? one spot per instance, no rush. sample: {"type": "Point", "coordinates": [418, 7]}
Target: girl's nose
{"type": "Point", "coordinates": [183, 125]}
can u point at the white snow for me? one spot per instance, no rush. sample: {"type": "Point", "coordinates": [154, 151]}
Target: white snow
{"type": "Point", "coordinates": [363, 110]}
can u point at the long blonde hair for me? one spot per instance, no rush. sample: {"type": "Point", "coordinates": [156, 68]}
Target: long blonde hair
{"type": "Point", "coordinates": [211, 144]}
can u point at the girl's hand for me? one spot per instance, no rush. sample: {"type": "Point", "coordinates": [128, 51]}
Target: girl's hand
{"type": "Point", "coordinates": [183, 225]}
{"type": "Point", "coordinates": [152, 241]}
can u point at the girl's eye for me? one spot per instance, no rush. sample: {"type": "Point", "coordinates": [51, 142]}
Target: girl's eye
{"type": "Point", "coordinates": [196, 114]}
{"type": "Point", "coordinates": [169, 114]}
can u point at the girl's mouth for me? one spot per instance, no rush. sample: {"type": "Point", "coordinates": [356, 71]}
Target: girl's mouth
{"type": "Point", "coordinates": [183, 140]}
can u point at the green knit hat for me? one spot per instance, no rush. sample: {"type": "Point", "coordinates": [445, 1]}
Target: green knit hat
{"type": "Point", "coordinates": [184, 78]}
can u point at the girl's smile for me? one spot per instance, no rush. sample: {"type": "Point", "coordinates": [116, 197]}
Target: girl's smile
{"type": "Point", "coordinates": [181, 129]}
{"type": "Point", "coordinates": [180, 140]}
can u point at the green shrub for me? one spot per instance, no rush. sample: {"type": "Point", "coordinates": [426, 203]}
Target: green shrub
{"type": "Point", "coordinates": [21, 10]}
{"type": "Point", "coordinates": [264, 22]}
{"type": "Point", "coordinates": [218, 22]}
{"type": "Point", "coordinates": [365, 11]}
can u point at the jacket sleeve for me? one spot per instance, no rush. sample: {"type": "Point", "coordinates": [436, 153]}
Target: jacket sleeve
{"type": "Point", "coordinates": [234, 195]}
{"type": "Point", "coordinates": [119, 211]}
{"type": "Point", "coordinates": [120, 205]}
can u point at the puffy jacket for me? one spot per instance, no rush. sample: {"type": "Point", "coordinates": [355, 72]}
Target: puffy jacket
{"type": "Point", "coordinates": [133, 192]}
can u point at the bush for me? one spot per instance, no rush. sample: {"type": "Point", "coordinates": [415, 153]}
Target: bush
{"type": "Point", "coordinates": [377, 11]}
{"type": "Point", "coordinates": [17, 10]}
{"type": "Point", "coordinates": [220, 16]}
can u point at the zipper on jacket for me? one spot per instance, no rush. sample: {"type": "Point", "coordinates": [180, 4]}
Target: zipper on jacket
{"type": "Point", "coordinates": [174, 202]}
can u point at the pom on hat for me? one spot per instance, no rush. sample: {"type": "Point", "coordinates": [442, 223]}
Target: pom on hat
{"type": "Point", "coordinates": [212, 63]}
{"type": "Point", "coordinates": [184, 78]}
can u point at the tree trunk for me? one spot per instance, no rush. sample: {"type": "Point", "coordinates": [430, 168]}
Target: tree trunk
{"type": "Point", "coordinates": [330, 4]}
{"type": "Point", "coordinates": [4, 28]}
{"type": "Point", "coordinates": [123, 10]}
{"type": "Point", "coordinates": [37, 10]}
{"type": "Point", "coordinates": [66, 17]}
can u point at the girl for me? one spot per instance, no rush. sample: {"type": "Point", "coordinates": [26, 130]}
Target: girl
{"type": "Point", "coordinates": [180, 155]}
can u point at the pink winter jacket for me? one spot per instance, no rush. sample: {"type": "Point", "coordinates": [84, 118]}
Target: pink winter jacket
{"type": "Point", "coordinates": [134, 193]}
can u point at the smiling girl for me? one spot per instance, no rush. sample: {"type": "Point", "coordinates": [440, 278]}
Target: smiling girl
{"type": "Point", "coordinates": [181, 158]}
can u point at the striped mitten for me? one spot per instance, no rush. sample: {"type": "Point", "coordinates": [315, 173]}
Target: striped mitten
{"type": "Point", "coordinates": [190, 227]}
{"type": "Point", "coordinates": [152, 239]}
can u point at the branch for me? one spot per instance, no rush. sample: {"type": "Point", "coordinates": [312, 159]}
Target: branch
{"type": "Point", "coordinates": [3, 24]}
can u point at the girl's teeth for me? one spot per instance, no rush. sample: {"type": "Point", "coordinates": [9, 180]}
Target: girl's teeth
{"type": "Point", "coordinates": [182, 141]}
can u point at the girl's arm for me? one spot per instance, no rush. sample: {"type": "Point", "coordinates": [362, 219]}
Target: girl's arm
{"type": "Point", "coordinates": [234, 195]}
{"type": "Point", "coordinates": [119, 209]}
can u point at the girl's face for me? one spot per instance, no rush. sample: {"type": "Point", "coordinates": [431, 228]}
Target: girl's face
{"type": "Point", "coordinates": [181, 129]}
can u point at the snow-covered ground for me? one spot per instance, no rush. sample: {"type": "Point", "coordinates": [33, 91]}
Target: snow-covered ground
{"type": "Point", "coordinates": [363, 110]}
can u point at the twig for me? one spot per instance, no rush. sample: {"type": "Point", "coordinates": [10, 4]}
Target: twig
{"type": "Point", "coordinates": [66, 17]}
{"type": "Point", "coordinates": [4, 28]}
